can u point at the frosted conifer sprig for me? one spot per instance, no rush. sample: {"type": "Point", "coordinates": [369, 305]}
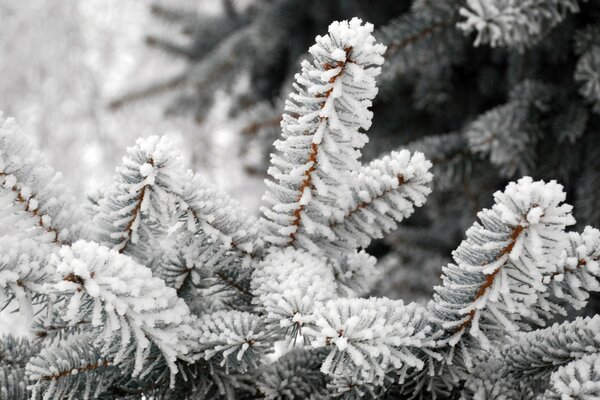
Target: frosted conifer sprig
{"type": "Point", "coordinates": [14, 355]}
{"type": "Point", "coordinates": [295, 375]}
{"type": "Point", "coordinates": [33, 197]}
{"type": "Point", "coordinates": [130, 308]}
{"type": "Point", "coordinates": [500, 267]}
{"type": "Point", "coordinates": [424, 37]}
{"type": "Point", "coordinates": [219, 216]}
{"type": "Point", "coordinates": [23, 272]}
{"type": "Point", "coordinates": [579, 380]}
{"type": "Point", "coordinates": [69, 368]}
{"type": "Point", "coordinates": [288, 285]}
{"type": "Point", "coordinates": [372, 335]}
{"type": "Point", "coordinates": [355, 273]}
{"type": "Point", "coordinates": [232, 339]}
{"type": "Point", "coordinates": [514, 23]}
{"type": "Point", "coordinates": [215, 241]}
{"type": "Point", "coordinates": [507, 134]}
{"type": "Point", "coordinates": [384, 193]}
{"type": "Point", "coordinates": [146, 191]}
{"type": "Point", "coordinates": [578, 269]}
{"type": "Point", "coordinates": [535, 354]}
{"type": "Point", "coordinates": [321, 132]}
{"type": "Point", "coordinates": [527, 362]}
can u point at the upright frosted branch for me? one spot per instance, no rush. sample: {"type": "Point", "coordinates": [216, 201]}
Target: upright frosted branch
{"type": "Point", "coordinates": [500, 267]}
{"type": "Point", "coordinates": [145, 192]}
{"type": "Point", "coordinates": [321, 132]}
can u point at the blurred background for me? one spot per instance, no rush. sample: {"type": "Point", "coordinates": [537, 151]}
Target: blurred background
{"type": "Point", "coordinates": [86, 78]}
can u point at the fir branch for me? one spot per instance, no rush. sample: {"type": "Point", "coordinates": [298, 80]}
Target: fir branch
{"type": "Point", "coordinates": [213, 213]}
{"type": "Point", "coordinates": [424, 36]}
{"type": "Point", "coordinates": [143, 199]}
{"type": "Point", "coordinates": [500, 267]}
{"type": "Point", "coordinates": [368, 336]}
{"type": "Point", "coordinates": [386, 192]}
{"type": "Point", "coordinates": [321, 131]}
{"type": "Point", "coordinates": [69, 369]}
{"type": "Point", "coordinates": [231, 283]}
{"type": "Point", "coordinates": [587, 74]}
{"type": "Point", "coordinates": [126, 298]}
{"type": "Point", "coordinates": [578, 380]}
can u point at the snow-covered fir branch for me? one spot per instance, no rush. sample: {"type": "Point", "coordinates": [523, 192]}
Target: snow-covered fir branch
{"type": "Point", "coordinates": [130, 309]}
{"type": "Point", "coordinates": [321, 132]}
{"type": "Point", "coordinates": [578, 380]}
{"type": "Point", "coordinates": [144, 193]}
{"type": "Point", "coordinates": [500, 267]}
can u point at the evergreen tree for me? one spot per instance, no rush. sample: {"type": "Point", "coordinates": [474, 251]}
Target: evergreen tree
{"type": "Point", "coordinates": [167, 288]}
